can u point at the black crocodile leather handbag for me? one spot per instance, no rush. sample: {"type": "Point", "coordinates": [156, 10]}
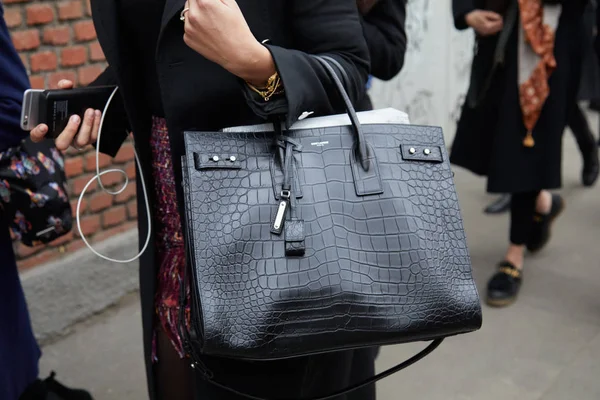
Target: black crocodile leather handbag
{"type": "Point", "coordinates": [319, 240]}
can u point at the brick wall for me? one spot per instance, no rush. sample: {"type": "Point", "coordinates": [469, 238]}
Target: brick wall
{"type": "Point", "coordinates": [57, 40]}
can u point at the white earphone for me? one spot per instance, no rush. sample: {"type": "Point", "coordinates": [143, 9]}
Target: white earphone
{"type": "Point", "coordinates": [98, 177]}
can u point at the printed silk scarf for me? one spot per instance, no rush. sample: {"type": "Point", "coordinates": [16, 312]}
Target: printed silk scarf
{"type": "Point", "coordinates": [536, 59]}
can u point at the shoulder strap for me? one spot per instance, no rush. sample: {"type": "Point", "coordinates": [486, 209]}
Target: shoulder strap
{"type": "Point", "coordinates": [419, 356]}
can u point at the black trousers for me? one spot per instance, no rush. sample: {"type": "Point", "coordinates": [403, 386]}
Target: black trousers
{"type": "Point", "coordinates": [522, 211]}
{"type": "Point", "coordinates": [581, 130]}
{"type": "Point", "coordinates": [308, 377]}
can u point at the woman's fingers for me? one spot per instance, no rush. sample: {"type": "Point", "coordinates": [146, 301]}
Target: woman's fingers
{"type": "Point", "coordinates": [96, 126]}
{"type": "Point", "coordinates": [491, 15]}
{"type": "Point", "coordinates": [65, 84]}
{"type": "Point", "coordinates": [38, 133]}
{"type": "Point", "coordinates": [82, 138]}
{"type": "Point", "coordinates": [65, 139]}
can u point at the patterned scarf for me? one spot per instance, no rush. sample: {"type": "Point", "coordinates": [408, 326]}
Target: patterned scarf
{"type": "Point", "coordinates": [536, 59]}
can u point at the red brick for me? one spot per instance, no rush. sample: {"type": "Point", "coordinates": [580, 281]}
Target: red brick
{"type": "Point", "coordinates": [84, 31]}
{"type": "Point", "coordinates": [112, 179]}
{"type": "Point", "coordinates": [114, 216]}
{"type": "Point", "coordinates": [57, 36]}
{"type": "Point", "coordinates": [125, 154]}
{"type": "Point", "coordinates": [38, 259]}
{"type": "Point", "coordinates": [87, 75]}
{"type": "Point", "coordinates": [56, 77]}
{"type": "Point", "coordinates": [108, 233]}
{"type": "Point", "coordinates": [37, 82]}
{"type": "Point", "coordinates": [76, 244]}
{"type": "Point", "coordinates": [100, 201]}
{"type": "Point", "coordinates": [84, 204]}
{"type": "Point", "coordinates": [126, 194]}
{"type": "Point", "coordinates": [24, 251]}
{"type": "Point", "coordinates": [132, 209]}
{"type": "Point", "coordinates": [66, 238]}
{"type": "Point", "coordinates": [79, 183]}
{"type": "Point", "coordinates": [90, 162]}
{"type": "Point", "coordinates": [13, 17]}
{"type": "Point", "coordinates": [24, 59]}
{"type": "Point", "coordinates": [130, 169]}
{"type": "Point", "coordinates": [88, 8]}
{"type": "Point", "coordinates": [96, 53]}
{"type": "Point", "coordinates": [70, 10]}
{"type": "Point", "coordinates": [73, 166]}
{"type": "Point", "coordinates": [73, 56]}
{"type": "Point", "coordinates": [89, 225]}
{"type": "Point", "coordinates": [39, 14]}
{"type": "Point", "coordinates": [44, 61]}
{"type": "Point", "coordinates": [26, 40]}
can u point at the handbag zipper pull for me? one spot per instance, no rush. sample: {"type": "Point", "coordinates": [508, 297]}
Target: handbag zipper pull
{"type": "Point", "coordinates": [284, 204]}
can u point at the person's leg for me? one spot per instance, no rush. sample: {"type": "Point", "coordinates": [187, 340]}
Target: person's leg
{"type": "Point", "coordinates": [504, 286]}
{"type": "Point", "coordinates": [302, 377]}
{"type": "Point", "coordinates": [587, 145]}
{"type": "Point", "coordinates": [174, 376]}
{"type": "Point", "coordinates": [19, 351]}
{"type": "Point", "coordinates": [363, 367]}
{"type": "Point", "coordinates": [548, 208]}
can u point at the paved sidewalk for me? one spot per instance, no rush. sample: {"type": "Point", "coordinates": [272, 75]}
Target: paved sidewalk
{"type": "Point", "coordinates": [546, 346]}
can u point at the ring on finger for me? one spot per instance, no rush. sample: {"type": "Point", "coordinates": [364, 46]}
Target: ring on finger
{"type": "Point", "coordinates": [74, 146]}
{"type": "Point", "coordinates": [182, 15]}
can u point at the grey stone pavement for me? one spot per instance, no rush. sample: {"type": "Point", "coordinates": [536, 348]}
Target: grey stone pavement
{"type": "Point", "coordinates": [546, 346]}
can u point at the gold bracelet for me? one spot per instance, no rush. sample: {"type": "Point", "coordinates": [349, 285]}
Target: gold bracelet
{"type": "Point", "coordinates": [272, 88]}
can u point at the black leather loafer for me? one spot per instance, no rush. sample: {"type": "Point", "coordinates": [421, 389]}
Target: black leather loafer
{"type": "Point", "coordinates": [591, 168]}
{"type": "Point", "coordinates": [542, 226]}
{"type": "Point", "coordinates": [504, 286]}
{"type": "Point", "coordinates": [501, 205]}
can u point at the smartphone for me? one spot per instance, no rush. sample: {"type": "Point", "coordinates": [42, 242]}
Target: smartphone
{"type": "Point", "coordinates": [55, 107]}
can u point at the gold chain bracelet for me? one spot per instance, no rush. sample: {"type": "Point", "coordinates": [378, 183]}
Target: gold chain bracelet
{"type": "Point", "coordinates": [272, 88]}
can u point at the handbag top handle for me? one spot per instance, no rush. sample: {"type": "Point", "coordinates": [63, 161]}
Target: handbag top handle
{"type": "Point", "coordinates": [360, 143]}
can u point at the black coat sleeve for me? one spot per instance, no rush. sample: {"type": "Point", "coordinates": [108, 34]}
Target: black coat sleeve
{"type": "Point", "coordinates": [116, 125]}
{"type": "Point", "coordinates": [384, 29]}
{"type": "Point", "coordinates": [460, 9]}
{"type": "Point", "coordinates": [597, 38]}
{"type": "Point", "coordinates": [320, 27]}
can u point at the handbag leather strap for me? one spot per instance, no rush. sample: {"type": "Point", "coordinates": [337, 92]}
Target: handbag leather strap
{"type": "Point", "coordinates": [363, 156]}
{"type": "Point", "coordinates": [360, 143]}
{"type": "Point", "coordinates": [417, 357]}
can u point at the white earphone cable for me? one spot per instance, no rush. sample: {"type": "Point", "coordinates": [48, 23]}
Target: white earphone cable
{"type": "Point", "coordinates": [98, 177]}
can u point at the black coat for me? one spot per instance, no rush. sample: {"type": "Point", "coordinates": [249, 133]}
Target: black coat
{"type": "Point", "coordinates": [590, 79]}
{"type": "Point", "coordinates": [198, 94]}
{"type": "Point", "coordinates": [384, 28]}
{"type": "Point", "coordinates": [489, 137]}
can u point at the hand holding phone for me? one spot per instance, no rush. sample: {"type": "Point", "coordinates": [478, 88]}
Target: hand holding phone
{"type": "Point", "coordinates": [79, 131]}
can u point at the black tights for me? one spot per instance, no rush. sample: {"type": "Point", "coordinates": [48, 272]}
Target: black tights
{"type": "Point", "coordinates": [173, 376]}
{"type": "Point", "coordinates": [522, 210]}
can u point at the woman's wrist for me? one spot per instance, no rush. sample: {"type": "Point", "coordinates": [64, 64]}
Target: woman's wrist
{"type": "Point", "coordinates": [257, 66]}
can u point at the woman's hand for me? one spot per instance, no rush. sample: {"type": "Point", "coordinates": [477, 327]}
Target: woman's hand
{"type": "Point", "coordinates": [485, 23]}
{"type": "Point", "coordinates": [218, 30]}
{"type": "Point", "coordinates": [77, 133]}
